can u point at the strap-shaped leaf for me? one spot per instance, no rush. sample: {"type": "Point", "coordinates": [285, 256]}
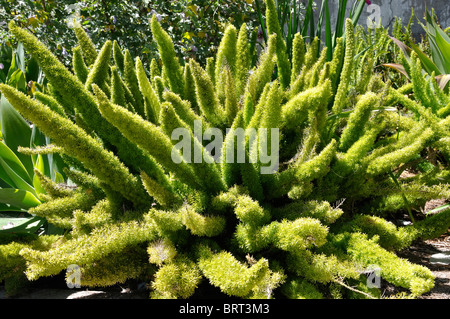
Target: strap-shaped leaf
{"type": "Point", "coordinates": [12, 176]}
{"type": "Point", "coordinates": [18, 198]}
{"type": "Point", "coordinates": [11, 159]}
{"type": "Point", "coordinates": [21, 225]}
{"type": "Point", "coordinates": [16, 131]}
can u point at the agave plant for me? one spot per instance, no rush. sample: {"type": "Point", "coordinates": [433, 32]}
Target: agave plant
{"type": "Point", "coordinates": [438, 65]}
{"type": "Point", "coordinates": [20, 172]}
{"type": "Point", "coordinates": [294, 17]}
{"type": "Point", "coordinates": [145, 207]}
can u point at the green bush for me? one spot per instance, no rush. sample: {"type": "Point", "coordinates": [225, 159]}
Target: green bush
{"type": "Point", "coordinates": [196, 26]}
{"type": "Point", "coordinates": [144, 209]}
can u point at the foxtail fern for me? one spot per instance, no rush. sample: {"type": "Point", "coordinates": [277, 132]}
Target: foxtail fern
{"type": "Point", "coordinates": [147, 206]}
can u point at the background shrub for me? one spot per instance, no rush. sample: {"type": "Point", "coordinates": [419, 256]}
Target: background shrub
{"type": "Point", "coordinates": [196, 26]}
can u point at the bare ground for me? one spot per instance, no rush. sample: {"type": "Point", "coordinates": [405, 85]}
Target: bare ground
{"type": "Point", "coordinates": [420, 253]}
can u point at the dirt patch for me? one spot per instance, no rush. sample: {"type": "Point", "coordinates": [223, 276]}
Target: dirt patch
{"type": "Point", "coordinates": [420, 253]}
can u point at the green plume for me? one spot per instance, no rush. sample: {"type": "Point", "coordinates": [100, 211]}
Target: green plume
{"type": "Point", "coordinates": [207, 99]}
{"type": "Point", "coordinates": [147, 136]}
{"type": "Point", "coordinates": [79, 66]}
{"type": "Point", "coordinates": [273, 27]}
{"type": "Point", "coordinates": [171, 65]}
{"type": "Point", "coordinates": [86, 45]}
{"type": "Point", "coordinates": [243, 60]}
{"type": "Point", "coordinates": [341, 94]}
{"type": "Point", "coordinates": [118, 56]}
{"type": "Point", "coordinates": [99, 71]}
{"type": "Point", "coordinates": [76, 142]}
{"type": "Point", "coordinates": [132, 82]}
{"type": "Point", "coordinates": [151, 100]}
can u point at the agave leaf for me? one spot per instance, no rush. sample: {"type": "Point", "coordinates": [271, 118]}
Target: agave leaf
{"type": "Point", "coordinates": [427, 63]}
{"type": "Point", "coordinates": [58, 177]}
{"type": "Point", "coordinates": [443, 80]}
{"type": "Point", "coordinates": [328, 34]}
{"type": "Point", "coordinates": [439, 43]}
{"type": "Point", "coordinates": [17, 181]}
{"type": "Point", "coordinates": [18, 198]}
{"type": "Point", "coordinates": [13, 161]}
{"type": "Point", "coordinates": [20, 53]}
{"type": "Point", "coordinates": [406, 49]}
{"type": "Point", "coordinates": [21, 225]}
{"type": "Point", "coordinates": [308, 20]}
{"type": "Point", "coordinates": [444, 47]}
{"type": "Point", "coordinates": [17, 80]}
{"type": "Point", "coordinates": [8, 208]}
{"type": "Point", "coordinates": [398, 67]}
{"type": "Point", "coordinates": [33, 70]}
{"type": "Point", "coordinates": [39, 165]}
{"type": "Point", "coordinates": [16, 131]}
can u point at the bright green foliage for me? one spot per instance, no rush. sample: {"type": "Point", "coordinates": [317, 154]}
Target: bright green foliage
{"type": "Point", "coordinates": [75, 141]}
{"type": "Point", "coordinates": [171, 65]}
{"type": "Point", "coordinates": [118, 56]}
{"type": "Point", "coordinates": [85, 249]}
{"type": "Point", "coordinates": [225, 59]}
{"type": "Point", "coordinates": [13, 265]}
{"type": "Point", "coordinates": [243, 59]}
{"type": "Point", "coordinates": [301, 289]}
{"type": "Point", "coordinates": [417, 279]}
{"type": "Point", "coordinates": [402, 155]}
{"type": "Point", "coordinates": [151, 100]}
{"type": "Point", "coordinates": [232, 276]}
{"type": "Point", "coordinates": [183, 108]}
{"type": "Point", "coordinates": [263, 73]}
{"type": "Point", "coordinates": [297, 108]}
{"type": "Point", "coordinates": [317, 166]}
{"type": "Point", "coordinates": [273, 27]}
{"type": "Point", "coordinates": [99, 71]}
{"type": "Point", "coordinates": [133, 127]}
{"type": "Point", "coordinates": [248, 211]}
{"type": "Point", "coordinates": [208, 101]}
{"type": "Point", "coordinates": [298, 55]}
{"type": "Point", "coordinates": [131, 81]}
{"type": "Point", "coordinates": [200, 225]}
{"type": "Point", "coordinates": [71, 94]}
{"type": "Point", "coordinates": [314, 209]}
{"type": "Point", "coordinates": [79, 66]}
{"type": "Point", "coordinates": [50, 102]}
{"type": "Point", "coordinates": [357, 120]}
{"type": "Point", "coordinates": [341, 94]}
{"type": "Point", "coordinates": [177, 279]}
{"type": "Point", "coordinates": [189, 88]}
{"type": "Point", "coordinates": [86, 45]}
{"type": "Point", "coordinates": [145, 207]}
{"type": "Point", "coordinates": [161, 251]}
{"type": "Point", "coordinates": [117, 89]}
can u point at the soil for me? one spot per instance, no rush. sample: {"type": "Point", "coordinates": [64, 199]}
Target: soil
{"type": "Point", "coordinates": [420, 253]}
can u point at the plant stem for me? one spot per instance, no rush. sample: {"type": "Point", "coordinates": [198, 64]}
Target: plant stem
{"type": "Point", "coordinates": [403, 196]}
